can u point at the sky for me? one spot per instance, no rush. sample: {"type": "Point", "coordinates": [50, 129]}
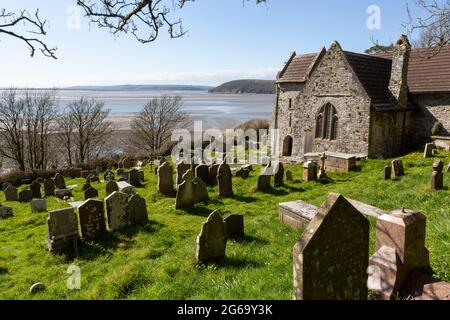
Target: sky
{"type": "Point", "coordinates": [226, 40]}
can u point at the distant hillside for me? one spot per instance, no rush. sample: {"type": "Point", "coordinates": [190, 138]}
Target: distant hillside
{"type": "Point", "coordinates": [143, 87]}
{"type": "Point", "coordinates": [246, 86]}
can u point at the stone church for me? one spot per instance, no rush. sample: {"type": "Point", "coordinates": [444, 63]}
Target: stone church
{"type": "Point", "coordinates": [372, 106]}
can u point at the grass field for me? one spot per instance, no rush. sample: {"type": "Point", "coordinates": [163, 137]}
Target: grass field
{"type": "Point", "coordinates": [157, 260]}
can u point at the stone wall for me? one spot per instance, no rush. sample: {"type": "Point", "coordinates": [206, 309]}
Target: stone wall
{"type": "Point", "coordinates": [433, 108]}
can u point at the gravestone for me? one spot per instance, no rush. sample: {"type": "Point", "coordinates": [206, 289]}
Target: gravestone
{"type": "Point", "coordinates": [242, 173]}
{"type": "Point", "coordinates": [49, 187]}
{"type": "Point", "coordinates": [38, 205]}
{"type": "Point", "coordinates": [126, 163]}
{"type": "Point", "coordinates": [86, 186]}
{"type": "Point", "coordinates": [5, 212]}
{"type": "Point", "coordinates": [437, 177]}
{"type": "Point", "coordinates": [92, 219]}
{"type": "Point", "coordinates": [309, 171]}
{"type": "Point", "coordinates": [63, 193]}
{"type": "Point", "coordinates": [428, 152]}
{"type": "Point", "coordinates": [331, 257]}
{"type": "Point", "coordinates": [397, 168]}
{"type": "Point", "coordinates": [111, 186]}
{"type": "Point", "coordinates": [120, 172]}
{"type": "Point", "coordinates": [263, 182]}
{"type": "Point", "coordinates": [35, 188]}
{"type": "Point", "coordinates": [11, 193]}
{"type": "Point", "coordinates": [186, 191]}
{"type": "Point", "coordinates": [62, 230]}
{"type": "Point", "coordinates": [213, 169]}
{"type": "Point", "coordinates": [212, 240]}
{"type": "Point", "coordinates": [59, 181]}
{"type": "Point", "coordinates": [289, 176]}
{"type": "Point", "coordinates": [322, 173]}
{"type": "Point", "coordinates": [235, 226]}
{"type": "Point", "coordinates": [182, 168]}
{"type": "Point", "coordinates": [202, 171]}
{"type": "Point", "coordinates": [90, 193]}
{"type": "Point", "coordinates": [224, 180]}
{"type": "Point", "coordinates": [165, 179]}
{"type": "Point", "coordinates": [137, 209]}
{"type": "Point", "coordinates": [134, 178]}
{"type": "Point", "coordinates": [387, 173]}
{"type": "Point", "coordinates": [108, 175]}
{"type": "Point", "coordinates": [201, 190]}
{"type": "Point", "coordinates": [25, 196]}
{"type": "Point", "coordinates": [92, 178]}
{"type": "Point", "coordinates": [116, 210]}
{"type": "Point", "coordinates": [278, 179]}
{"type": "Point", "coordinates": [125, 187]}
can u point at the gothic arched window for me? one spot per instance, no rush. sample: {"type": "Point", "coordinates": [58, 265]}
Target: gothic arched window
{"type": "Point", "coordinates": [327, 123]}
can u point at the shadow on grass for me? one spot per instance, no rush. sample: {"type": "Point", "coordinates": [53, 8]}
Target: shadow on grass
{"type": "Point", "coordinates": [246, 199]}
{"type": "Point", "coordinates": [198, 211]}
{"type": "Point", "coordinates": [294, 189]}
{"type": "Point", "coordinates": [246, 239]}
{"type": "Point", "coordinates": [275, 192]}
{"type": "Point", "coordinates": [237, 263]}
{"type": "Point", "coordinates": [357, 168]}
{"type": "Point", "coordinates": [326, 181]}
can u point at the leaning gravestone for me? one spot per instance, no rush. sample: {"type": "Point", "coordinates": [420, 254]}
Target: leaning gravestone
{"type": "Point", "coordinates": [289, 176]}
{"type": "Point", "coordinates": [165, 179]}
{"type": "Point", "coordinates": [35, 188]}
{"type": "Point", "coordinates": [186, 191]}
{"type": "Point", "coordinates": [137, 210]}
{"type": "Point", "coordinates": [428, 152]}
{"type": "Point", "coordinates": [212, 240]}
{"type": "Point", "coordinates": [279, 175]}
{"type": "Point", "coordinates": [62, 230]}
{"type": "Point", "coordinates": [59, 181]}
{"type": "Point", "coordinates": [201, 190]}
{"type": "Point", "coordinates": [92, 219]}
{"type": "Point", "coordinates": [25, 196]}
{"type": "Point", "coordinates": [182, 168]}
{"type": "Point", "coordinates": [49, 187]}
{"type": "Point", "coordinates": [235, 226]}
{"type": "Point", "coordinates": [224, 179]}
{"type": "Point", "coordinates": [437, 178]}
{"type": "Point", "coordinates": [11, 193]}
{"type": "Point", "coordinates": [38, 205]}
{"type": "Point", "coordinates": [5, 212]}
{"type": "Point", "coordinates": [202, 171]}
{"type": "Point", "coordinates": [116, 210]}
{"type": "Point", "coordinates": [331, 257]}
{"type": "Point", "coordinates": [111, 186]}
{"type": "Point", "coordinates": [90, 193]}
{"type": "Point", "coordinates": [387, 173]}
{"type": "Point", "coordinates": [397, 168]}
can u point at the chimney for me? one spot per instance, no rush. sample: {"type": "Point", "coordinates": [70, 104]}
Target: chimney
{"type": "Point", "coordinates": [398, 85]}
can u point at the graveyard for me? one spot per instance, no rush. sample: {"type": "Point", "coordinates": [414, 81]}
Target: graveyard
{"type": "Point", "coordinates": [156, 257]}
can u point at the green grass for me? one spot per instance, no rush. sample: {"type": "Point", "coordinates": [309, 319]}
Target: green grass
{"type": "Point", "coordinates": [157, 260]}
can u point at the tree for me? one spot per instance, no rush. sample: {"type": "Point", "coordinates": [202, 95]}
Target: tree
{"type": "Point", "coordinates": [379, 48]}
{"type": "Point", "coordinates": [152, 128]}
{"type": "Point", "coordinates": [84, 130]}
{"type": "Point", "coordinates": [10, 21]}
{"type": "Point", "coordinates": [434, 26]}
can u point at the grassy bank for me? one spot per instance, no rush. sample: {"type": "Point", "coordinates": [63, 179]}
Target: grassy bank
{"type": "Point", "coordinates": [157, 260]}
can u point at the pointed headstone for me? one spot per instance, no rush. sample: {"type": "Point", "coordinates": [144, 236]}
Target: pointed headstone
{"type": "Point", "coordinates": [90, 193]}
{"type": "Point", "coordinates": [182, 168]}
{"type": "Point", "coordinates": [201, 190]}
{"type": "Point", "coordinates": [278, 179]}
{"type": "Point", "coordinates": [224, 180]}
{"type": "Point", "coordinates": [212, 240]}
{"type": "Point", "coordinates": [186, 191]}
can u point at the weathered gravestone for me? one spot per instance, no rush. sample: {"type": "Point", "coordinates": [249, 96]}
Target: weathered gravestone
{"type": "Point", "coordinates": [126, 163]}
{"type": "Point", "coordinates": [397, 168]}
{"type": "Point", "coordinates": [137, 209]}
{"type": "Point", "coordinates": [11, 193]}
{"type": "Point", "coordinates": [322, 173]}
{"type": "Point", "coordinates": [108, 175]}
{"type": "Point", "coordinates": [165, 179]}
{"type": "Point", "coordinates": [309, 171]}
{"type": "Point", "coordinates": [116, 210]}
{"type": "Point", "coordinates": [49, 187]}
{"type": "Point", "coordinates": [111, 186]}
{"type": "Point", "coordinates": [331, 257]}
{"type": "Point", "coordinates": [202, 171]}
{"type": "Point", "coordinates": [59, 181]}
{"type": "Point", "coordinates": [92, 219]}
{"type": "Point", "coordinates": [186, 191]}
{"type": "Point", "coordinates": [213, 169]}
{"type": "Point", "coordinates": [387, 173]}
{"type": "Point", "coordinates": [125, 187]}
{"type": "Point", "coordinates": [182, 168]}
{"type": "Point", "coordinates": [235, 226]}
{"type": "Point", "coordinates": [134, 178]}
{"type": "Point", "coordinates": [224, 180]}
{"type": "Point", "coordinates": [212, 240]}
{"type": "Point", "coordinates": [289, 176]}
{"type": "Point", "coordinates": [90, 193]}
{"type": "Point", "coordinates": [35, 188]}
{"type": "Point", "coordinates": [200, 190]}
{"type": "Point", "coordinates": [437, 177]}
{"type": "Point", "coordinates": [428, 152]}
{"type": "Point", "coordinates": [278, 179]}
{"type": "Point", "coordinates": [62, 230]}
{"type": "Point", "coordinates": [38, 205]}
{"type": "Point", "coordinates": [25, 196]}
{"type": "Point", "coordinates": [5, 212]}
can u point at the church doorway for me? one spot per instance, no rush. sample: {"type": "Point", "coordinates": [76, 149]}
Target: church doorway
{"type": "Point", "coordinates": [287, 146]}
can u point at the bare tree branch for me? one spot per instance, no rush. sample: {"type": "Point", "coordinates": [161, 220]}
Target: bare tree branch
{"type": "Point", "coordinates": [10, 21]}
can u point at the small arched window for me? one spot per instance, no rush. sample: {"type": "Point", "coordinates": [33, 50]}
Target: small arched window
{"type": "Point", "coordinates": [327, 123]}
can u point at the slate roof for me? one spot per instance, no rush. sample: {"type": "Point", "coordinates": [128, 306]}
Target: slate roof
{"type": "Point", "coordinates": [297, 69]}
